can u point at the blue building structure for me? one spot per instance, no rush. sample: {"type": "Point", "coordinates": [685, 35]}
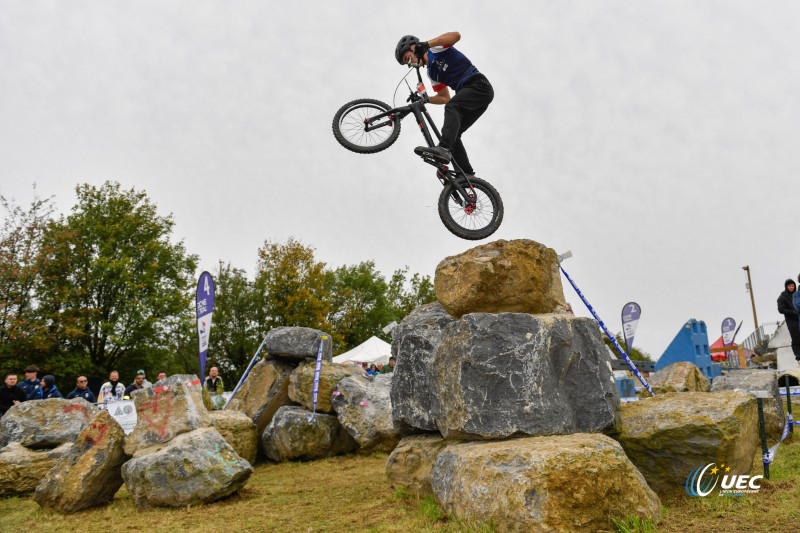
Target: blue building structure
{"type": "Point", "coordinates": [690, 345]}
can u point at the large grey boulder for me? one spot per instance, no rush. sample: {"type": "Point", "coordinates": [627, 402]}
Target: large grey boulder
{"type": "Point", "coordinates": [46, 423]}
{"type": "Point", "coordinates": [301, 383]}
{"type": "Point", "coordinates": [90, 474]}
{"type": "Point", "coordinates": [669, 435]}
{"type": "Point", "coordinates": [298, 344]}
{"type": "Point", "coordinates": [364, 408]}
{"type": "Point", "coordinates": [753, 381]}
{"type": "Point", "coordinates": [499, 375]}
{"type": "Point", "coordinates": [167, 409]}
{"type": "Point", "coordinates": [22, 469]}
{"type": "Point", "coordinates": [561, 483]}
{"type": "Point", "coordinates": [193, 468]}
{"type": "Point", "coordinates": [294, 434]}
{"type": "Point", "coordinates": [265, 390]}
{"type": "Point", "coordinates": [414, 341]}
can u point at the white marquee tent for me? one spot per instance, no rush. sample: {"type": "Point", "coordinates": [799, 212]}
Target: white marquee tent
{"type": "Point", "coordinates": [372, 350]}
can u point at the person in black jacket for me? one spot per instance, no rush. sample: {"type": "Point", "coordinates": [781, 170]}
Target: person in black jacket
{"type": "Point", "coordinates": [82, 390]}
{"type": "Point", "coordinates": [10, 393]}
{"type": "Point", "coordinates": [786, 308]}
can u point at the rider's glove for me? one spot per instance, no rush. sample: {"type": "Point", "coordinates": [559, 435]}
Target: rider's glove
{"type": "Point", "coordinates": [420, 48]}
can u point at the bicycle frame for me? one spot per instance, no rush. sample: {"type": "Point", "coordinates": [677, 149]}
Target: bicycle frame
{"type": "Point", "coordinates": [426, 124]}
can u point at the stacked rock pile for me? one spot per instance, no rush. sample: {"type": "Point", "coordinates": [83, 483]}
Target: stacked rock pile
{"type": "Point", "coordinates": [509, 404]}
{"type": "Point", "coordinates": [352, 412]}
{"type": "Point", "coordinates": [76, 456]}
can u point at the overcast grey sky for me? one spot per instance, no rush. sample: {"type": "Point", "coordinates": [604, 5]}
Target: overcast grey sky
{"type": "Point", "coordinates": [656, 140]}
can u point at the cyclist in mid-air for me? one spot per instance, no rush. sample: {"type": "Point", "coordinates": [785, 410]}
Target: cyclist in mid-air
{"type": "Point", "coordinates": [447, 67]}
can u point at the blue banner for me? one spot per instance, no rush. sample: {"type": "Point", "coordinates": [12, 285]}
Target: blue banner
{"type": "Point", "coordinates": [205, 309]}
{"type": "Point", "coordinates": [631, 312]}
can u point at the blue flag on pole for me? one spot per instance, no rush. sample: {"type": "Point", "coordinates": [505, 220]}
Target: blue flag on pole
{"type": "Point", "coordinates": [631, 312]}
{"type": "Point", "coordinates": [205, 308]}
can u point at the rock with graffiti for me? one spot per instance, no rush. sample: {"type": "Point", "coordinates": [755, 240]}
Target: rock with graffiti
{"type": "Point", "coordinates": [90, 474]}
{"type": "Point", "coordinates": [193, 468]}
{"type": "Point", "coordinates": [169, 408]}
{"type": "Point", "coordinates": [364, 408]}
{"type": "Point", "coordinates": [46, 423]}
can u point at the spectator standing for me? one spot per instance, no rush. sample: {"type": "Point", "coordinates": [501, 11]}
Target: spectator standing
{"type": "Point", "coordinates": [145, 383]}
{"type": "Point", "coordinates": [49, 389]}
{"type": "Point", "coordinates": [162, 375]}
{"type": "Point", "coordinates": [138, 384]}
{"type": "Point", "coordinates": [10, 393]}
{"type": "Point", "coordinates": [214, 382]}
{"type": "Point", "coordinates": [388, 369]}
{"type": "Point", "coordinates": [31, 384]}
{"type": "Point", "coordinates": [112, 390]}
{"type": "Point", "coordinates": [786, 308]}
{"type": "Point", "coordinates": [82, 390]}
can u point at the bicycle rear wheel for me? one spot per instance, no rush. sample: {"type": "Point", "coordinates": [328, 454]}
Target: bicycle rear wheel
{"type": "Point", "coordinates": [479, 218]}
{"type": "Point", "coordinates": [349, 126]}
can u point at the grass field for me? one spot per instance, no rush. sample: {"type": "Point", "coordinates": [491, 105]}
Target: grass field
{"type": "Point", "coordinates": [350, 494]}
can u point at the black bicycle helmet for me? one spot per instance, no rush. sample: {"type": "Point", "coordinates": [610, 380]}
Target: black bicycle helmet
{"type": "Point", "coordinates": [403, 46]}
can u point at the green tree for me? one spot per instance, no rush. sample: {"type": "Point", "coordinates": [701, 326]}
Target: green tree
{"type": "Point", "coordinates": [22, 337]}
{"type": "Point", "coordinates": [359, 304]}
{"type": "Point", "coordinates": [292, 288]}
{"type": "Point", "coordinates": [636, 354]}
{"type": "Point", "coordinates": [114, 286]}
{"type": "Point", "coordinates": [235, 330]}
{"type": "Point", "coordinates": [405, 294]}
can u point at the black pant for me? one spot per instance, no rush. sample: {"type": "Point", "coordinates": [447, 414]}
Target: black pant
{"type": "Point", "coordinates": [794, 333]}
{"type": "Point", "coordinates": [461, 112]}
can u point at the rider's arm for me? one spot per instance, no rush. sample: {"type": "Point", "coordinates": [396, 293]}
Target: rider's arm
{"type": "Point", "coordinates": [446, 39]}
{"type": "Point", "coordinates": [442, 97]}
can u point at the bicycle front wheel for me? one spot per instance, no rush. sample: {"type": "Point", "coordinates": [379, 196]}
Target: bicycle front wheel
{"type": "Point", "coordinates": [476, 220]}
{"type": "Point", "coordinates": [350, 122]}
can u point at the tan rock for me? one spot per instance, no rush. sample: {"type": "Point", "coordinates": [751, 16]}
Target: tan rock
{"type": "Point", "coordinates": [22, 469]}
{"type": "Point", "coordinates": [502, 276]}
{"type": "Point", "coordinates": [411, 462]}
{"type": "Point", "coordinates": [265, 390]}
{"type": "Point", "coordinates": [301, 383]}
{"type": "Point", "coordinates": [239, 431]}
{"type": "Point", "coordinates": [364, 408]}
{"type": "Point", "coordinates": [559, 483]}
{"type": "Point", "coordinates": [756, 381]}
{"type": "Point", "coordinates": [90, 474]}
{"type": "Point", "coordinates": [669, 435]}
{"type": "Point", "coordinates": [172, 407]}
{"type": "Point", "coordinates": [678, 377]}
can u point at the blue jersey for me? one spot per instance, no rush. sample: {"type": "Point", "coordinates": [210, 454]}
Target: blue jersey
{"type": "Point", "coordinates": [448, 66]}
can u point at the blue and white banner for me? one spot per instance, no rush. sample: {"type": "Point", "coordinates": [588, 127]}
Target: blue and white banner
{"type": "Point", "coordinates": [205, 310]}
{"type": "Point", "coordinates": [728, 331]}
{"type": "Point", "coordinates": [631, 312]}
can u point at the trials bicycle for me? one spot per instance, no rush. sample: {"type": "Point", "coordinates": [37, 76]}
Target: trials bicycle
{"type": "Point", "coordinates": [468, 206]}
